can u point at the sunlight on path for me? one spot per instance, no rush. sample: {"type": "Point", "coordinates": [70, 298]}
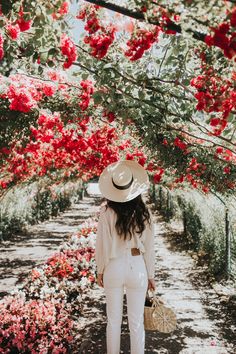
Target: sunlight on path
{"type": "Point", "coordinates": [19, 256]}
{"type": "Point", "coordinates": [196, 332]}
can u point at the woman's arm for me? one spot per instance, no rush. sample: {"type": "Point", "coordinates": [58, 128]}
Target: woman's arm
{"type": "Point", "coordinates": [102, 246]}
{"type": "Point", "coordinates": [99, 258]}
{"type": "Point", "coordinates": [149, 255]}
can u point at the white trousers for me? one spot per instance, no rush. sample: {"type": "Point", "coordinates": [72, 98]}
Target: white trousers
{"type": "Point", "coordinates": [127, 272]}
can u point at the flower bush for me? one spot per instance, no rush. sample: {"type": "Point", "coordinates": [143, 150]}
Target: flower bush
{"type": "Point", "coordinates": [34, 326]}
{"type": "Point", "coordinates": [203, 219]}
{"type": "Point", "coordinates": [167, 81]}
{"type": "Point", "coordinates": [41, 316]}
{"type": "Point", "coordinates": [38, 201]}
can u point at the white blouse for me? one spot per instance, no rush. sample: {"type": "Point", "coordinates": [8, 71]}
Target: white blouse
{"type": "Point", "coordinates": [110, 245]}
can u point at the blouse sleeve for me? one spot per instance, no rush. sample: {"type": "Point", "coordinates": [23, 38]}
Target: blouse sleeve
{"type": "Point", "coordinates": [149, 255]}
{"type": "Point", "coordinates": [102, 244]}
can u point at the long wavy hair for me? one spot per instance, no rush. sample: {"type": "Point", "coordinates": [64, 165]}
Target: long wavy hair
{"type": "Point", "coordinates": [131, 216]}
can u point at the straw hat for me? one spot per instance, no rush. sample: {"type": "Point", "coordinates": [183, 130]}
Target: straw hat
{"type": "Point", "coordinates": [123, 180]}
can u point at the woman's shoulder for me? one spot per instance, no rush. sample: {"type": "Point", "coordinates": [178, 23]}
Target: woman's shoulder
{"type": "Point", "coordinates": [106, 210]}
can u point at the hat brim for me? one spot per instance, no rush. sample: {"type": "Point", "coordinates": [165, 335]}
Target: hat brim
{"type": "Point", "coordinates": [140, 182]}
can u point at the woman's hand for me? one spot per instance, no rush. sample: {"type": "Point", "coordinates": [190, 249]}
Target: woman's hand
{"type": "Point", "coordinates": [151, 284]}
{"type": "Point", "coordinates": [100, 279]}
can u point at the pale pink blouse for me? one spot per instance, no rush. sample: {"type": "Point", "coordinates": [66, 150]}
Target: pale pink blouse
{"type": "Point", "coordinates": [110, 245]}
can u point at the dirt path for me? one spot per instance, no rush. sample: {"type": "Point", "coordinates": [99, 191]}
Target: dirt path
{"type": "Point", "coordinates": [201, 327]}
{"type": "Point", "coordinates": [204, 325]}
{"type": "Point", "coordinates": [21, 254]}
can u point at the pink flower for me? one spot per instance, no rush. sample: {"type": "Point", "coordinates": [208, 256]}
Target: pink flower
{"type": "Point", "coordinates": [64, 9]}
{"type": "Point", "coordinates": [213, 343]}
{"type": "Point", "coordinates": [1, 47]}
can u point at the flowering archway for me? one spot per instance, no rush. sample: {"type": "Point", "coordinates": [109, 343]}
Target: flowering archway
{"type": "Point", "coordinates": [148, 80]}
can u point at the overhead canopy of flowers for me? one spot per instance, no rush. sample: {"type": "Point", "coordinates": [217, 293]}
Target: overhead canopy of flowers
{"type": "Point", "coordinates": [148, 80]}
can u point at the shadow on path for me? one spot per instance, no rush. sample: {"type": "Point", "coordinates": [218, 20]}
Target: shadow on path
{"type": "Point", "coordinates": [23, 252]}
{"type": "Point", "coordinates": [204, 325]}
{"type": "Point", "coordinates": [199, 330]}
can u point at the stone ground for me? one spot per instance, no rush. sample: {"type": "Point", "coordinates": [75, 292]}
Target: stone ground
{"type": "Point", "coordinates": [206, 322]}
{"type": "Point", "coordinates": [23, 252]}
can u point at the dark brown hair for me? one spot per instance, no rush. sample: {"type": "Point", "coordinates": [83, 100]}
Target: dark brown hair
{"type": "Point", "coordinates": [131, 216]}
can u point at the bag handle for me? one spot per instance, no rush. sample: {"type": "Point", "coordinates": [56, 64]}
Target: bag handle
{"type": "Point", "coordinates": [156, 300]}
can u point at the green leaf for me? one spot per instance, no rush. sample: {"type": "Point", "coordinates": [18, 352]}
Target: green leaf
{"type": "Point", "coordinates": [51, 64]}
{"type": "Point", "coordinates": [40, 70]}
{"type": "Point", "coordinates": [97, 97]}
{"type": "Point", "coordinates": [141, 95]}
{"type": "Point", "coordinates": [186, 82]}
{"type": "Point", "coordinates": [107, 66]}
{"type": "Point", "coordinates": [39, 32]}
{"type": "Point", "coordinates": [231, 117]}
{"type": "Point", "coordinates": [227, 131]}
{"type": "Point", "coordinates": [84, 76]}
{"type": "Point", "coordinates": [175, 120]}
{"type": "Point", "coordinates": [29, 50]}
{"type": "Point", "coordinates": [43, 57]}
{"type": "Point", "coordinates": [53, 51]}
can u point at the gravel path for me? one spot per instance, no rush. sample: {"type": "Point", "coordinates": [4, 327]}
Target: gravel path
{"type": "Point", "coordinates": [21, 254]}
{"type": "Point", "coordinates": [202, 326]}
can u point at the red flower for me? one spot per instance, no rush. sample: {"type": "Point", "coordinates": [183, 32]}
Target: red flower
{"type": "Point", "coordinates": [150, 166]}
{"type": "Point", "coordinates": [85, 96]}
{"type": "Point", "coordinates": [1, 47]}
{"type": "Point", "coordinates": [180, 144]}
{"type": "Point", "coordinates": [104, 37]}
{"type": "Point", "coordinates": [209, 40]}
{"type": "Point", "coordinates": [21, 99]}
{"type": "Point", "coordinates": [233, 18]}
{"type": "Point", "coordinates": [24, 25]}
{"type": "Point", "coordinates": [223, 39]}
{"type": "Point", "coordinates": [3, 184]}
{"type": "Point", "coordinates": [157, 176]}
{"type": "Point", "coordinates": [110, 116]}
{"type": "Point", "coordinates": [205, 189]}
{"type": "Point", "coordinates": [142, 160]}
{"type": "Point", "coordinates": [49, 90]}
{"type": "Point", "coordinates": [68, 49]}
{"type": "Point", "coordinates": [100, 43]}
{"type": "Point", "coordinates": [13, 31]}
{"type": "Point", "coordinates": [129, 156]}
{"type": "Point", "coordinates": [165, 142]}
{"type": "Point", "coordinates": [141, 42]}
{"type": "Point", "coordinates": [219, 150]}
{"type": "Point", "coordinates": [64, 9]}
{"type": "Point", "coordinates": [227, 169]}
{"type": "Point", "coordinates": [214, 122]}
{"type": "Point", "coordinates": [92, 25]}
{"type": "Point", "coordinates": [224, 28]}
{"type": "Point", "coordinates": [215, 94]}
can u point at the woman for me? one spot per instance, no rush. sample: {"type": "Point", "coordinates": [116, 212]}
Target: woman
{"type": "Point", "coordinates": [124, 253]}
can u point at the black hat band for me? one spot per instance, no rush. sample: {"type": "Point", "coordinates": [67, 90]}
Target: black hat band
{"type": "Point", "coordinates": [123, 187]}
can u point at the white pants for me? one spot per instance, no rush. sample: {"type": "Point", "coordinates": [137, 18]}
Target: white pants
{"type": "Point", "coordinates": [130, 272]}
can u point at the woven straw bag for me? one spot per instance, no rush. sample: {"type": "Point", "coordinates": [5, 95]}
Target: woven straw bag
{"type": "Point", "coordinates": [158, 317]}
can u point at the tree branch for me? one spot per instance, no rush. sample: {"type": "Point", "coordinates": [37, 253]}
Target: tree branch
{"type": "Point", "coordinates": [140, 16]}
{"type": "Point", "coordinates": [147, 84]}
{"type": "Point", "coordinates": [197, 137]}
